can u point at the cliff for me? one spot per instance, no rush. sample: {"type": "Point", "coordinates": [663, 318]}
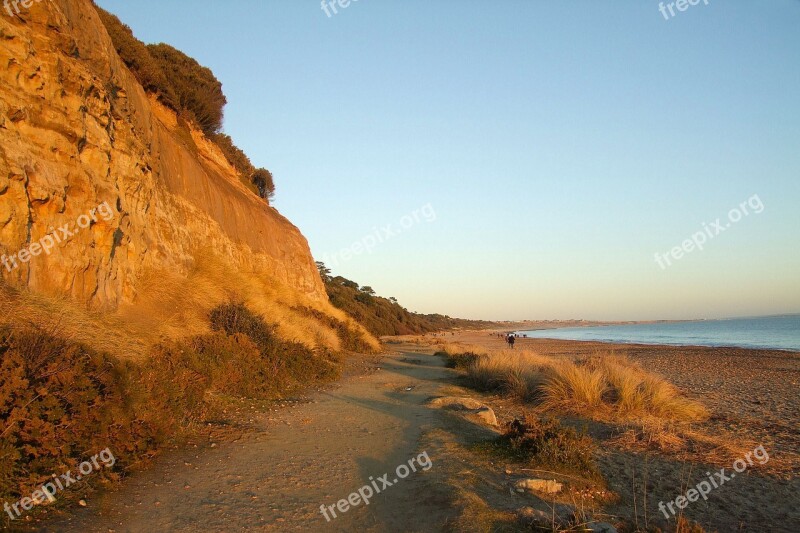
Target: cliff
{"type": "Point", "coordinates": [144, 195]}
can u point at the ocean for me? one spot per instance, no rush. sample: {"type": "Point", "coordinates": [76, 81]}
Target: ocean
{"type": "Point", "coordinates": [772, 332]}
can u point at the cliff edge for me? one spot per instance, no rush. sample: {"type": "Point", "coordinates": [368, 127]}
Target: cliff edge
{"type": "Point", "coordinates": [106, 193]}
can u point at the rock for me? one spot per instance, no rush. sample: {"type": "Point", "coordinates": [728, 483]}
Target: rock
{"type": "Point", "coordinates": [486, 415]}
{"type": "Point", "coordinates": [6, 214]}
{"type": "Point", "coordinates": [549, 486]}
{"type": "Point", "coordinates": [473, 407]}
{"type": "Point", "coordinates": [185, 204]}
{"type": "Point", "coordinates": [457, 404]}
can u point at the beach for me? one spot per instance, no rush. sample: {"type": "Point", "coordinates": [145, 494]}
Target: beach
{"type": "Point", "coordinates": [753, 402]}
{"type": "Point", "coordinates": [752, 394]}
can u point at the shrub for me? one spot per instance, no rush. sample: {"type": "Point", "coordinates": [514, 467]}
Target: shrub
{"type": "Point", "coordinates": [190, 89]}
{"type": "Point", "coordinates": [384, 316]}
{"type": "Point", "coordinates": [233, 318]}
{"type": "Point", "coordinates": [235, 156]}
{"type": "Point", "coordinates": [234, 365]}
{"type": "Point", "coordinates": [59, 403]}
{"type": "Point", "coordinates": [137, 58]}
{"type": "Point", "coordinates": [289, 364]}
{"type": "Point", "coordinates": [262, 179]}
{"type": "Point", "coordinates": [198, 91]}
{"type": "Point", "coordinates": [461, 360]}
{"type": "Point", "coordinates": [545, 442]}
{"type": "Point", "coordinates": [349, 336]}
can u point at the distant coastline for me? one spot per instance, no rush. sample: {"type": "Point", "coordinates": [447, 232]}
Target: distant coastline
{"type": "Point", "coordinates": [776, 332]}
{"type": "Point", "coordinates": [537, 325]}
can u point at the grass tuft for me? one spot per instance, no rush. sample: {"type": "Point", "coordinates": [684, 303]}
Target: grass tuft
{"type": "Point", "coordinates": [600, 386]}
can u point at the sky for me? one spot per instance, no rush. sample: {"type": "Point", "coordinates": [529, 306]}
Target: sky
{"type": "Point", "coordinates": [516, 159]}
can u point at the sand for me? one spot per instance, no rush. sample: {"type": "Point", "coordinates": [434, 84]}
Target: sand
{"type": "Point", "coordinates": [754, 399]}
{"type": "Point", "coordinates": [754, 394]}
{"type": "Point", "coordinates": [315, 450]}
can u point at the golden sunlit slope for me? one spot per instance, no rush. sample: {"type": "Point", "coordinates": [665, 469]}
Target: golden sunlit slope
{"type": "Point", "coordinates": [161, 228]}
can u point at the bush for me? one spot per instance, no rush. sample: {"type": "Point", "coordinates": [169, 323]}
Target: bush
{"type": "Point", "coordinates": [259, 180]}
{"type": "Point", "coordinates": [350, 337]}
{"type": "Point", "coordinates": [384, 316]}
{"type": "Point", "coordinates": [262, 179]}
{"type": "Point", "coordinates": [137, 58]}
{"type": "Point", "coordinates": [461, 360]}
{"type": "Point", "coordinates": [545, 442]}
{"type": "Point", "coordinates": [59, 404]}
{"type": "Point", "coordinates": [233, 318]}
{"type": "Point", "coordinates": [198, 91]}
{"type": "Point", "coordinates": [288, 364]}
{"type": "Point", "coordinates": [190, 89]}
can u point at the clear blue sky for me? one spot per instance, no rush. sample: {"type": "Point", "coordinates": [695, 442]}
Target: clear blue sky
{"type": "Point", "coordinates": [561, 144]}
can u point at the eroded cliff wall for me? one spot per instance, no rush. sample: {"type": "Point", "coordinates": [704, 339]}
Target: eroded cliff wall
{"type": "Point", "coordinates": [77, 131]}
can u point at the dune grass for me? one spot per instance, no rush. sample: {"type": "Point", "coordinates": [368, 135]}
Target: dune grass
{"type": "Point", "coordinates": [603, 386]}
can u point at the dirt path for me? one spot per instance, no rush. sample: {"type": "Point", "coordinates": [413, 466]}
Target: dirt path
{"type": "Point", "coordinates": [276, 477]}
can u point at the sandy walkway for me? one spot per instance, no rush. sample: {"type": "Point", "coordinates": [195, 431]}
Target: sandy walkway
{"type": "Point", "coordinates": [276, 478]}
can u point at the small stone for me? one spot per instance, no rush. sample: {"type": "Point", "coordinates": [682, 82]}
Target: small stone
{"type": "Point", "coordinates": [487, 415]}
{"type": "Point", "coordinates": [549, 486]}
{"type": "Point", "coordinates": [82, 503]}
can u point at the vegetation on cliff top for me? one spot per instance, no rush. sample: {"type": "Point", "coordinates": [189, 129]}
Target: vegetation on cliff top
{"type": "Point", "coordinates": [385, 316]}
{"type": "Point", "coordinates": [190, 89]}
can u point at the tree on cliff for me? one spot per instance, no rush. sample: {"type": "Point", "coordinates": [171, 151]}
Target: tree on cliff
{"type": "Point", "coordinates": [137, 58]}
{"type": "Point", "coordinates": [199, 92]}
{"type": "Point", "coordinates": [262, 179]}
{"type": "Point", "coordinates": [188, 88]}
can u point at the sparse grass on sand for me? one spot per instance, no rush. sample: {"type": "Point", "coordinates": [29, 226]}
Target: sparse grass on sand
{"type": "Point", "coordinates": [603, 387]}
{"type": "Point", "coordinates": [650, 413]}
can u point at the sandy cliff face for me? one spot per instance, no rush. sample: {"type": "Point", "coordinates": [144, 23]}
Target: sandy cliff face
{"type": "Point", "coordinates": [77, 131]}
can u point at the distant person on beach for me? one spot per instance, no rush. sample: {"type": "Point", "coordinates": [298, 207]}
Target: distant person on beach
{"type": "Point", "coordinates": [511, 340]}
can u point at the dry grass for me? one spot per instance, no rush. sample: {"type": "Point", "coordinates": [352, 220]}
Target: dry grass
{"type": "Point", "coordinates": [171, 305]}
{"type": "Point", "coordinates": [636, 392]}
{"type": "Point", "coordinates": [605, 386]}
{"type": "Point", "coordinates": [518, 373]}
{"type": "Point", "coordinates": [680, 441]}
{"type": "Point", "coordinates": [574, 388]}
